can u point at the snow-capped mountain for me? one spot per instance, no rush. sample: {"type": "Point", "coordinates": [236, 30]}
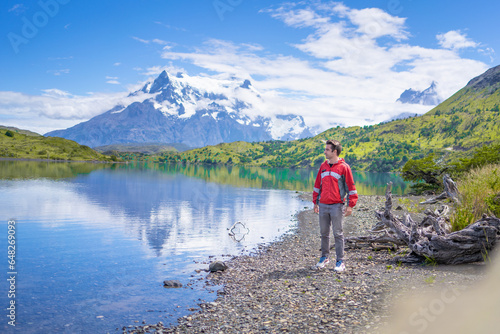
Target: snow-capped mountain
{"type": "Point", "coordinates": [196, 111]}
{"type": "Point", "coordinates": [428, 96]}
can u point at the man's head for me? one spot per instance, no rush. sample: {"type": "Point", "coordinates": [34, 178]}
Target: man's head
{"type": "Point", "coordinates": [334, 146]}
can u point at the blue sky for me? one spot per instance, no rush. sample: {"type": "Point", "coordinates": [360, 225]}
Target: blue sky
{"type": "Point", "coordinates": [65, 61]}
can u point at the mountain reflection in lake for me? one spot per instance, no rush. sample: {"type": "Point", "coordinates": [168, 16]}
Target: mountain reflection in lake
{"type": "Point", "coordinates": [94, 250]}
{"type": "Point", "coordinates": [95, 242]}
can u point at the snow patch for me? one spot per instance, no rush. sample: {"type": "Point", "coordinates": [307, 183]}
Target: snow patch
{"type": "Point", "coordinates": [165, 108]}
{"type": "Point", "coordinates": [189, 110]}
{"type": "Point", "coordinates": [281, 127]}
{"type": "Point", "coordinates": [118, 111]}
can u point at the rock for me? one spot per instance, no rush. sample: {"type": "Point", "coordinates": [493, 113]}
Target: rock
{"type": "Point", "coordinates": [172, 284]}
{"type": "Point", "coordinates": [217, 266]}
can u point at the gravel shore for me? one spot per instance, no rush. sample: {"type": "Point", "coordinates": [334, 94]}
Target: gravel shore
{"type": "Point", "coordinates": [277, 291]}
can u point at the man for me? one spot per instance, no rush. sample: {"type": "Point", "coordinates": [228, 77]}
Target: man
{"type": "Point", "coordinates": [333, 182]}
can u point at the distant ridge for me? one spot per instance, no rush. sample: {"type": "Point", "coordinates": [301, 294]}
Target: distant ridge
{"type": "Point", "coordinates": [145, 148]}
{"type": "Point", "coordinates": [25, 132]}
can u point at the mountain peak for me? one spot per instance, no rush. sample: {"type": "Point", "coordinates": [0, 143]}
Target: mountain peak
{"type": "Point", "coordinates": [246, 84]}
{"type": "Point", "coordinates": [196, 111]}
{"type": "Point", "coordinates": [489, 78]}
{"type": "Point", "coordinates": [160, 83]}
{"type": "Point", "coordinates": [428, 96]}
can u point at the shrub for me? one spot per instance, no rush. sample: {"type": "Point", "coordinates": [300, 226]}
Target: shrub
{"type": "Point", "coordinates": [427, 170]}
{"type": "Point", "coordinates": [493, 203]}
{"type": "Point", "coordinates": [9, 133]}
{"type": "Point", "coordinates": [478, 189]}
{"type": "Point", "coordinates": [484, 155]}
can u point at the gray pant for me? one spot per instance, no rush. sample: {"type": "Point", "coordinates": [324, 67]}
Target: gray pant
{"type": "Point", "coordinates": [331, 214]}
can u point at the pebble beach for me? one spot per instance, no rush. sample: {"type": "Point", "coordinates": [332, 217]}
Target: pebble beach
{"type": "Point", "coordinates": [277, 290]}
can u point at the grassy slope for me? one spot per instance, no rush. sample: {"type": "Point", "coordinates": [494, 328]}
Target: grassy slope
{"type": "Point", "coordinates": [468, 119]}
{"type": "Point", "coordinates": [35, 146]}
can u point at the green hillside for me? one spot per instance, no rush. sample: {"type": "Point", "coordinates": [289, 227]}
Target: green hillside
{"type": "Point", "coordinates": [468, 119]}
{"type": "Point", "coordinates": [23, 144]}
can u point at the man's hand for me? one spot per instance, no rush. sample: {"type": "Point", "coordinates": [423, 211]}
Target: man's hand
{"type": "Point", "coordinates": [316, 208]}
{"type": "Point", "coordinates": [348, 211]}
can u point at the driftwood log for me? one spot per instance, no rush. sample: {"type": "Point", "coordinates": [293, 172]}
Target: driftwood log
{"type": "Point", "coordinates": [384, 239]}
{"type": "Point", "coordinates": [450, 191]}
{"type": "Point", "coordinates": [431, 239]}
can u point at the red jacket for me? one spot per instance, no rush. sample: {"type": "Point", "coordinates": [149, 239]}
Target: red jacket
{"type": "Point", "coordinates": [334, 183]}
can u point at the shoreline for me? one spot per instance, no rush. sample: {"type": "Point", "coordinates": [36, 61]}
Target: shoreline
{"type": "Point", "coordinates": [276, 291]}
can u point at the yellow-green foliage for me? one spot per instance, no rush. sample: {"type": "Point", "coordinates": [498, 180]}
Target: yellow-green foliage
{"type": "Point", "coordinates": [410, 205]}
{"type": "Point", "coordinates": [463, 122]}
{"type": "Point", "coordinates": [493, 203]}
{"type": "Point", "coordinates": [467, 120]}
{"type": "Point", "coordinates": [475, 187]}
{"type": "Point", "coordinates": [15, 144]}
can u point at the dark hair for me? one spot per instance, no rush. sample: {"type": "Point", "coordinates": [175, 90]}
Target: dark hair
{"type": "Point", "coordinates": [335, 146]}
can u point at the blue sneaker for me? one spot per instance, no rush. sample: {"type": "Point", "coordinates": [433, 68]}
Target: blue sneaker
{"type": "Point", "coordinates": [323, 261]}
{"type": "Point", "coordinates": [339, 266]}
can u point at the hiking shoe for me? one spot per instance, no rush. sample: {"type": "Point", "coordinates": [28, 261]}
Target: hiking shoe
{"type": "Point", "coordinates": [339, 266]}
{"type": "Point", "coordinates": [323, 261]}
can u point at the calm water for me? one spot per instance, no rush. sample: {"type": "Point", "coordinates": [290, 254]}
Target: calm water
{"type": "Point", "coordinates": [95, 242]}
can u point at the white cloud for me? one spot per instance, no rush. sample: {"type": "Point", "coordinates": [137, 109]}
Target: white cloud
{"type": "Point", "coordinates": [56, 109]}
{"type": "Point", "coordinates": [298, 17]}
{"type": "Point", "coordinates": [349, 69]}
{"type": "Point", "coordinates": [61, 58]}
{"type": "Point", "coordinates": [169, 26]}
{"type": "Point", "coordinates": [59, 72]}
{"type": "Point", "coordinates": [358, 65]}
{"type": "Point", "coordinates": [56, 93]}
{"type": "Point", "coordinates": [374, 23]}
{"type": "Point", "coordinates": [112, 80]}
{"type": "Point", "coordinates": [160, 42]}
{"type": "Point", "coordinates": [166, 45]}
{"type": "Point", "coordinates": [455, 40]}
{"type": "Point", "coordinates": [144, 41]}
{"type": "Point", "coordinates": [18, 9]}
{"type": "Point", "coordinates": [490, 52]}
{"type": "Point", "coordinates": [154, 71]}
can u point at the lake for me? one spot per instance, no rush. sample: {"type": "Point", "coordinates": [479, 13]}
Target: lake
{"type": "Point", "coordinates": [94, 242]}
